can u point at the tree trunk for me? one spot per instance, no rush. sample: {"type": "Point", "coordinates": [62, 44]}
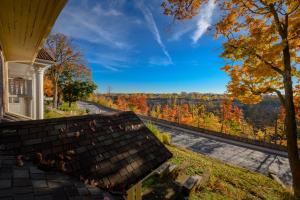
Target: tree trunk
{"type": "Point", "coordinates": [70, 103]}
{"type": "Point", "coordinates": [55, 95]}
{"type": "Point", "coordinates": [276, 131]}
{"type": "Point", "coordinates": [290, 123]}
{"type": "Point", "coordinates": [58, 99]}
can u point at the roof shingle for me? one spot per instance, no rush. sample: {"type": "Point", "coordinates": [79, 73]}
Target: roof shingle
{"type": "Point", "coordinates": [45, 55]}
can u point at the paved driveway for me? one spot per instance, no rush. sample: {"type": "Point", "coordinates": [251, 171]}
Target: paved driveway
{"type": "Point", "coordinates": [91, 107]}
{"type": "Point", "coordinates": [248, 158]}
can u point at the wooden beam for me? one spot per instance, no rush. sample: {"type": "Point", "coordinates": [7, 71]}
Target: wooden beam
{"type": "Point", "coordinates": [138, 191]}
{"type": "Point", "coordinates": [130, 193]}
{"type": "Point", "coordinates": [135, 192]}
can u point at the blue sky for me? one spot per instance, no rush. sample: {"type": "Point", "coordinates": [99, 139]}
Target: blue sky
{"type": "Point", "coordinates": [132, 47]}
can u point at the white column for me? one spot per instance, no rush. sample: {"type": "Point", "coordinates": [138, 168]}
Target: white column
{"type": "Point", "coordinates": [6, 87]}
{"type": "Point", "coordinates": [39, 92]}
{"type": "Point", "coordinates": [33, 93]}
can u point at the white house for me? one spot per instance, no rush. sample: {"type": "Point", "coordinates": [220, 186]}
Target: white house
{"type": "Point", "coordinates": [24, 26]}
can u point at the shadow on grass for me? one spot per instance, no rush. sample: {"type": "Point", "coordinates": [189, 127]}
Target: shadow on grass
{"type": "Point", "coordinates": [155, 187]}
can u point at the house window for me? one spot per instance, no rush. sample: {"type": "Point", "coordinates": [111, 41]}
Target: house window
{"type": "Point", "coordinates": [20, 96]}
{"type": "Point", "coordinates": [17, 86]}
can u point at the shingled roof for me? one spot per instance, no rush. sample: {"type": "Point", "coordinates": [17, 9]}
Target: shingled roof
{"type": "Point", "coordinates": [113, 152]}
{"type": "Point", "coordinates": [45, 55]}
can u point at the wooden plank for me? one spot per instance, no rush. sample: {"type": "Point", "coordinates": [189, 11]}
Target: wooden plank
{"type": "Point", "coordinates": [25, 25]}
{"type": "Point", "coordinates": [138, 191]}
{"type": "Point", "coordinates": [130, 194]}
{"type": "Point", "coordinates": [162, 169]}
{"type": "Point", "coordinates": [191, 181]}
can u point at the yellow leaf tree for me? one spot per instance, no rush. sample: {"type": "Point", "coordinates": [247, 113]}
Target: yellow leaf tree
{"type": "Point", "coordinates": [48, 87]}
{"type": "Point", "coordinates": [263, 38]}
{"type": "Point", "coordinates": [69, 63]}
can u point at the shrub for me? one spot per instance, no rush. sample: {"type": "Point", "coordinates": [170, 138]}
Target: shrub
{"type": "Point", "coordinates": [166, 138]}
{"type": "Point", "coordinates": [162, 137]}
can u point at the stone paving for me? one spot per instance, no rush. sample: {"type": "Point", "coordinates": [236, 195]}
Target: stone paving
{"type": "Point", "coordinates": [251, 159]}
{"type": "Point", "coordinates": [92, 108]}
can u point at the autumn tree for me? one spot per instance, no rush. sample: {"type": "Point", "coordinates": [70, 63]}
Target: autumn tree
{"type": "Point", "coordinates": [198, 111]}
{"type": "Point", "coordinates": [156, 111]}
{"type": "Point", "coordinates": [225, 113]}
{"type": "Point", "coordinates": [69, 63]}
{"type": "Point", "coordinates": [280, 126]}
{"type": "Point", "coordinates": [77, 90]}
{"type": "Point", "coordinates": [121, 103]}
{"type": "Point", "coordinates": [186, 115]}
{"type": "Point", "coordinates": [142, 104]}
{"type": "Point", "coordinates": [232, 116]}
{"type": "Point", "coordinates": [168, 113]}
{"type": "Point", "coordinates": [105, 101]}
{"type": "Point", "coordinates": [48, 87]}
{"type": "Point", "coordinates": [132, 103]}
{"type": "Point", "coordinates": [138, 103]}
{"type": "Point", "coordinates": [263, 37]}
{"type": "Point", "coordinates": [297, 101]}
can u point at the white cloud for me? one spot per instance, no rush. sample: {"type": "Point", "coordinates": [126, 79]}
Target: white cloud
{"type": "Point", "coordinates": [204, 20]}
{"type": "Point", "coordinates": [94, 24]}
{"type": "Point", "coordinates": [181, 30]}
{"type": "Point", "coordinates": [137, 21]}
{"type": "Point", "coordinates": [111, 61]}
{"type": "Point", "coordinates": [162, 61]}
{"type": "Point", "coordinates": [107, 12]}
{"type": "Point", "coordinates": [153, 28]}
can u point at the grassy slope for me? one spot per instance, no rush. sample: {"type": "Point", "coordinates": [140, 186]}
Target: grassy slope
{"type": "Point", "coordinates": [52, 114]}
{"type": "Point", "coordinates": [226, 181]}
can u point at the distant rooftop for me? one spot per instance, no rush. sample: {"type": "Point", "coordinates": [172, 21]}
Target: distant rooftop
{"type": "Point", "coordinates": [45, 55]}
{"type": "Point", "coordinates": [42, 54]}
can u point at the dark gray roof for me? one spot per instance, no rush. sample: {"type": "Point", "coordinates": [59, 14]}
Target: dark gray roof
{"type": "Point", "coordinates": [113, 152]}
{"type": "Point", "coordinates": [45, 55]}
{"type": "Point", "coordinates": [29, 182]}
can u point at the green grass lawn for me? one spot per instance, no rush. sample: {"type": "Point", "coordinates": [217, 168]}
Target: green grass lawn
{"type": "Point", "coordinates": [225, 181]}
{"type": "Point", "coordinates": [52, 114]}
{"type": "Point", "coordinates": [63, 111]}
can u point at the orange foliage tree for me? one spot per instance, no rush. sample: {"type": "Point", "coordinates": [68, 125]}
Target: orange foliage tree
{"type": "Point", "coordinates": [232, 116]}
{"type": "Point", "coordinates": [121, 103]}
{"type": "Point", "coordinates": [48, 87]}
{"type": "Point", "coordinates": [138, 103]}
{"type": "Point", "coordinates": [168, 113]}
{"type": "Point", "coordinates": [263, 36]}
{"type": "Point", "coordinates": [186, 115]}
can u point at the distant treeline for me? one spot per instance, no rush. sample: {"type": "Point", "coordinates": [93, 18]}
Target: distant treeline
{"type": "Point", "coordinates": [262, 121]}
{"type": "Point", "coordinates": [259, 115]}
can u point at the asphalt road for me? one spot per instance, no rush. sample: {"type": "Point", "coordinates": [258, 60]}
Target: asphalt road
{"type": "Point", "coordinates": [248, 156]}
{"type": "Point", "coordinates": [91, 107]}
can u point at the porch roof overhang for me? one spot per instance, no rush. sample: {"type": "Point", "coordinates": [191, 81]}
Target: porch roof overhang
{"type": "Point", "coordinates": [24, 26]}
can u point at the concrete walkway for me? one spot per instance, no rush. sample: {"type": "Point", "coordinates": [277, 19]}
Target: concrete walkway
{"type": "Point", "coordinates": [254, 160]}
{"type": "Point", "coordinates": [91, 107]}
